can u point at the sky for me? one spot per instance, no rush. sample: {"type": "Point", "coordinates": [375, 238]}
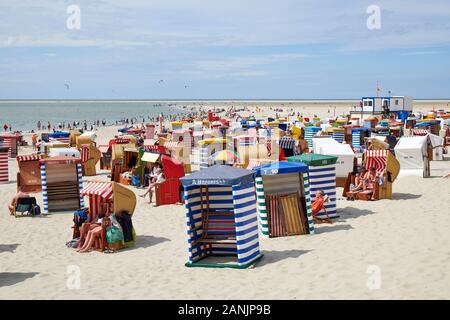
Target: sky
{"type": "Point", "coordinates": [223, 49]}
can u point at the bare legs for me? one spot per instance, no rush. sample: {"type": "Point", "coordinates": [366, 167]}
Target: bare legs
{"type": "Point", "coordinates": [149, 191]}
{"type": "Point", "coordinates": [89, 233]}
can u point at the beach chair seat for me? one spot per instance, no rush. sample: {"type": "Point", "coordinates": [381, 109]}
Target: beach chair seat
{"type": "Point", "coordinates": [218, 230]}
{"type": "Point", "coordinates": [292, 214]}
{"type": "Point", "coordinates": [24, 205]}
{"type": "Point", "coordinates": [274, 217]}
{"type": "Point", "coordinates": [366, 195]}
{"type": "Point", "coordinates": [218, 227]}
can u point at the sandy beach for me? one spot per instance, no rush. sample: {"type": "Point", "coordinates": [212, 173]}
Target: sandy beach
{"type": "Point", "coordinates": [402, 242]}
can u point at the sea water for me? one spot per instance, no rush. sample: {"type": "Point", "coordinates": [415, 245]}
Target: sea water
{"type": "Point", "coordinates": [24, 115]}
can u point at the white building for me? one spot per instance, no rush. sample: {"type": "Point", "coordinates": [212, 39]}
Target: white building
{"type": "Point", "coordinates": [394, 104]}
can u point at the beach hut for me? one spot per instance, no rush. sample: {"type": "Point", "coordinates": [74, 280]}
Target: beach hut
{"type": "Point", "coordinates": [322, 176]}
{"type": "Point", "coordinates": [29, 174]}
{"type": "Point", "coordinates": [4, 172]}
{"type": "Point", "coordinates": [357, 135]}
{"type": "Point", "coordinates": [283, 196]}
{"type": "Point", "coordinates": [310, 132]}
{"type": "Point", "coordinates": [338, 134]}
{"type": "Point", "coordinates": [11, 141]}
{"type": "Point", "coordinates": [62, 180]}
{"type": "Point", "coordinates": [221, 217]}
{"type": "Point", "coordinates": [394, 104]}
{"type": "Point", "coordinates": [207, 148]}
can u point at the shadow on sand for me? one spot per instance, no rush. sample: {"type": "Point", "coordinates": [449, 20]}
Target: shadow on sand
{"type": "Point", "coordinates": [8, 247]}
{"type": "Point", "coordinates": [321, 228]}
{"type": "Point", "coordinates": [352, 213]}
{"type": "Point", "coordinates": [405, 196]}
{"type": "Point", "coordinates": [271, 256]}
{"type": "Point", "coordinates": [11, 278]}
{"type": "Point", "coordinates": [149, 241]}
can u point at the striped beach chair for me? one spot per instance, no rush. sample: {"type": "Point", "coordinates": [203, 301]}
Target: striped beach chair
{"type": "Point", "coordinates": [275, 220]}
{"type": "Point", "coordinates": [376, 159]}
{"type": "Point", "coordinates": [4, 170]}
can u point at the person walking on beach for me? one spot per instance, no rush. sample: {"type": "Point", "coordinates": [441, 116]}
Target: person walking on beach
{"type": "Point", "coordinates": [49, 126]}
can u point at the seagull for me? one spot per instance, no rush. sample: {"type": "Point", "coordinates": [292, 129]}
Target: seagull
{"type": "Point", "coordinates": [67, 86]}
{"type": "Point", "coordinates": [160, 81]}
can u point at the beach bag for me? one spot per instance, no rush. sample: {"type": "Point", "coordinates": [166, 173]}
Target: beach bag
{"type": "Point", "coordinates": [36, 210]}
{"type": "Point", "coordinates": [113, 235]}
{"type": "Point", "coordinates": [135, 181]}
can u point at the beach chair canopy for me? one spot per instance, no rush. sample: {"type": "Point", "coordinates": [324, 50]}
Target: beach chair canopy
{"type": "Point", "coordinates": [68, 152]}
{"type": "Point", "coordinates": [150, 157]}
{"type": "Point", "coordinates": [172, 168]}
{"type": "Point", "coordinates": [280, 168]}
{"type": "Point", "coordinates": [101, 189]}
{"type": "Point", "coordinates": [314, 159]}
{"type": "Point", "coordinates": [219, 175]}
{"type": "Point", "coordinates": [60, 160]}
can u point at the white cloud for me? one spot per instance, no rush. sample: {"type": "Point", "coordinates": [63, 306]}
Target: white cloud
{"type": "Point", "coordinates": [231, 23]}
{"type": "Point", "coordinates": [419, 53]}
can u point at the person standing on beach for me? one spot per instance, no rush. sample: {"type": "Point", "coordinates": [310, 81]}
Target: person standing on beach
{"type": "Point", "coordinates": [5, 126]}
{"type": "Point", "coordinates": [34, 139]}
{"type": "Point", "coordinates": [39, 125]}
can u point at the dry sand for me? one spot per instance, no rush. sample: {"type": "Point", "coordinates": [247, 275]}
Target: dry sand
{"type": "Point", "coordinates": [406, 239]}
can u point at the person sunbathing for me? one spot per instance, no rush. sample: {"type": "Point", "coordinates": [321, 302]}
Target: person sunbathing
{"type": "Point", "coordinates": [20, 194]}
{"type": "Point", "coordinates": [369, 183]}
{"type": "Point", "coordinates": [92, 236]}
{"type": "Point", "coordinates": [358, 186]}
{"type": "Point", "coordinates": [319, 202]}
{"type": "Point", "coordinates": [158, 180]}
